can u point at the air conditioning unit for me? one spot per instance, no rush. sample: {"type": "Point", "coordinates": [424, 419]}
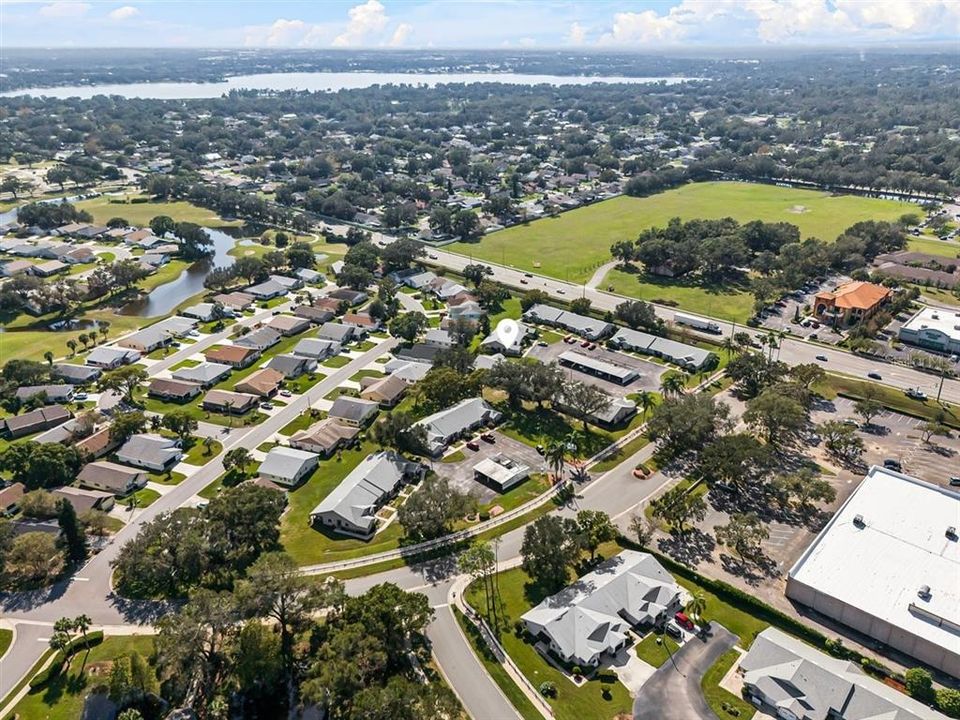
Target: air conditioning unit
{"type": "Point", "coordinates": [924, 592]}
{"type": "Point", "coordinates": [951, 532]}
{"type": "Point", "coordinates": [858, 521]}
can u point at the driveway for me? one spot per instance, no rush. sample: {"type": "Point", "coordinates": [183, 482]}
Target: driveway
{"type": "Point", "coordinates": [673, 692]}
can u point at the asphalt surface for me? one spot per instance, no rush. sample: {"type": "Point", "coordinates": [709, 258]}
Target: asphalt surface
{"type": "Point", "coordinates": [673, 691]}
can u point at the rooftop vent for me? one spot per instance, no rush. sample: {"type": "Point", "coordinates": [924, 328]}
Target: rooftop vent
{"type": "Point", "coordinates": [952, 532]}
{"type": "Point", "coordinates": [858, 521]}
{"type": "Point", "coordinates": [924, 592]}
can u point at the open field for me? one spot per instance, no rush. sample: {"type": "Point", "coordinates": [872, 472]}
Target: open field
{"type": "Point", "coordinates": [725, 303]}
{"type": "Point", "coordinates": [572, 245]}
{"type": "Point", "coordinates": [934, 247]}
{"type": "Point", "coordinates": [103, 209]}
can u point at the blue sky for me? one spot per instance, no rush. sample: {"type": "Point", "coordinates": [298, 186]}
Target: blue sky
{"type": "Point", "coordinates": [643, 25]}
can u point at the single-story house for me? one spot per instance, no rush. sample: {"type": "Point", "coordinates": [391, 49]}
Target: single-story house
{"type": "Point", "coordinates": [586, 327]}
{"type": "Point", "coordinates": [49, 268]}
{"type": "Point", "coordinates": [493, 343]}
{"type": "Point", "coordinates": [292, 366]}
{"type": "Point", "coordinates": [361, 320]}
{"type": "Point", "coordinates": [153, 452]}
{"type": "Point", "coordinates": [352, 506]}
{"type": "Point", "coordinates": [447, 425]}
{"type": "Point", "coordinates": [235, 356]}
{"type": "Point", "coordinates": [53, 393]}
{"type": "Point", "coordinates": [418, 352]}
{"type": "Point", "coordinates": [288, 325]}
{"type": "Point", "coordinates": [500, 472]}
{"type": "Point", "coordinates": [386, 391]}
{"type": "Point", "coordinates": [231, 403]}
{"type": "Point", "coordinates": [147, 340]}
{"type": "Point", "coordinates": [84, 501]}
{"type": "Point", "coordinates": [175, 390]}
{"type": "Point", "coordinates": [353, 411]}
{"type": "Point", "coordinates": [287, 466]}
{"type": "Point", "coordinates": [267, 290]}
{"type": "Point", "coordinates": [351, 297]}
{"type": "Point", "coordinates": [15, 267]}
{"type": "Point", "coordinates": [261, 339]}
{"type": "Point", "coordinates": [317, 349]}
{"type": "Point", "coordinates": [204, 312]}
{"type": "Point", "coordinates": [35, 421]}
{"type": "Point", "coordinates": [98, 444]}
{"type": "Point", "coordinates": [110, 358]}
{"type": "Point", "coordinates": [419, 280]}
{"type": "Point", "coordinates": [10, 497]}
{"type": "Point", "coordinates": [689, 357]}
{"type": "Point", "coordinates": [335, 332]}
{"type": "Point", "coordinates": [438, 338]}
{"type": "Point", "coordinates": [290, 283]}
{"type": "Point", "coordinates": [236, 301]}
{"type": "Point", "coordinates": [315, 315]}
{"type": "Point", "coordinates": [310, 276]}
{"type": "Point", "coordinates": [76, 374]}
{"type": "Point", "coordinates": [263, 383]}
{"type": "Point", "coordinates": [590, 619]}
{"type": "Point", "coordinates": [112, 478]}
{"type": "Point", "coordinates": [206, 374]}
{"type": "Point", "coordinates": [408, 371]}
{"type": "Point", "coordinates": [324, 437]}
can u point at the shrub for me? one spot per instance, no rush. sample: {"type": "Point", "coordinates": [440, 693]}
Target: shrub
{"type": "Point", "coordinates": [948, 701]}
{"type": "Point", "coordinates": [606, 694]}
{"type": "Point", "coordinates": [548, 689]}
{"type": "Point", "coordinates": [577, 672]}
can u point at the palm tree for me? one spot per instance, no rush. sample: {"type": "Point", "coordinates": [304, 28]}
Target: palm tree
{"type": "Point", "coordinates": [48, 356]}
{"type": "Point", "coordinates": [673, 384]}
{"type": "Point", "coordinates": [556, 456]}
{"type": "Point", "coordinates": [72, 344]}
{"type": "Point", "coordinates": [104, 327]}
{"type": "Point", "coordinates": [207, 445]}
{"type": "Point", "coordinates": [730, 345]}
{"type": "Point", "coordinates": [646, 400]}
{"type": "Point", "coordinates": [697, 605]}
{"type": "Point", "coordinates": [82, 337]}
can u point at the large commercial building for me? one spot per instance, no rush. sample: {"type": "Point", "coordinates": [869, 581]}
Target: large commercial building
{"type": "Point", "coordinates": [850, 304]}
{"type": "Point", "coordinates": [933, 328]}
{"type": "Point", "coordinates": [888, 565]}
{"type": "Point", "coordinates": [598, 368]}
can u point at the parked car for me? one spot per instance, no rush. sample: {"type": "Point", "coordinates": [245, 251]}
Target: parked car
{"type": "Point", "coordinates": [542, 343]}
{"type": "Point", "coordinates": [673, 630]}
{"type": "Point", "coordinates": [822, 358]}
{"type": "Point", "coordinates": [80, 396]}
{"type": "Point", "coordinates": [874, 376]}
{"type": "Point", "coordinates": [432, 256]}
{"type": "Point", "coordinates": [285, 393]}
{"type": "Point", "coordinates": [916, 394]}
{"type": "Point", "coordinates": [585, 343]}
{"type": "Point", "coordinates": [561, 291]}
{"type": "Point", "coordinates": [473, 445]}
{"type": "Point", "coordinates": [523, 281]}
{"type": "Point", "coordinates": [266, 405]}
{"type": "Point", "coordinates": [683, 621]}
{"type": "Point", "coordinates": [540, 449]}
{"type": "Point", "coordinates": [955, 481]}
{"type": "Point", "coordinates": [527, 275]}
{"type": "Point", "coordinates": [488, 437]}
{"type": "Point", "coordinates": [891, 464]}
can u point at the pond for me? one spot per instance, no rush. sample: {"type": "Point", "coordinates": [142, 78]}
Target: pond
{"type": "Point", "coordinates": [319, 81]}
{"type": "Point", "coordinates": [166, 297]}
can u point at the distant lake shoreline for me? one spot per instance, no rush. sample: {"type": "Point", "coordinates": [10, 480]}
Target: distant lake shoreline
{"type": "Point", "coordinates": [320, 82]}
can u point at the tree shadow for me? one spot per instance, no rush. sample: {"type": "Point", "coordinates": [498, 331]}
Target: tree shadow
{"type": "Point", "coordinates": [692, 547]}
{"type": "Point", "coordinates": [753, 571]}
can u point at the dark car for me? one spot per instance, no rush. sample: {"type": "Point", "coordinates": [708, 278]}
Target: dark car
{"type": "Point", "coordinates": [673, 630]}
{"type": "Point", "coordinates": [874, 376]}
{"type": "Point", "coordinates": [473, 445]}
{"type": "Point", "coordinates": [891, 464]}
{"type": "Point", "coordinates": [488, 437]}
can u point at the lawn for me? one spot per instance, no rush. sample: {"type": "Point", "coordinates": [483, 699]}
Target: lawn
{"type": "Point", "coordinates": [574, 244]}
{"type": "Point", "coordinates": [889, 397]}
{"type": "Point", "coordinates": [337, 361]}
{"type": "Point", "coordinates": [308, 545]}
{"type": "Point", "coordinates": [146, 497]}
{"type": "Point", "coordinates": [26, 337]}
{"type": "Point", "coordinates": [934, 247]}
{"type": "Point", "coordinates": [62, 698]}
{"type": "Point", "coordinates": [6, 638]}
{"type": "Point", "coordinates": [717, 697]}
{"type": "Point", "coordinates": [141, 214]}
{"type": "Point", "coordinates": [360, 375]}
{"type": "Point", "coordinates": [167, 478]}
{"type": "Point", "coordinates": [301, 422]}
{"type": "Point", "coordinates": [654, 653]}
{"type": "Point", "coordinates": [193, 409]}
{"type": "Point", "coordinates": [727, 303]}
{"type": "Point", "coordinates": [517, 595]}
{"type": "Point", "coordinates": [199, 454]}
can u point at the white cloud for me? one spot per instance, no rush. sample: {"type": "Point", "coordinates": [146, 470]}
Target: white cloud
{"type": "Point", "coordinates": [365, 20]}
{"type": "Point", "coordinates": [577, 35]}
{"type": "Point", "coordinates": [400, 35]}
{"type": "Point", "coordinates": [287, 33]}
{"type": "Point", "coordinates": [64, 9]}
{"type": "Point", "coordinates": [123, 13]}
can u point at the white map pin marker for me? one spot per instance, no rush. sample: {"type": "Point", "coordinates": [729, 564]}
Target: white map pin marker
{"type": "Point", "coordinates": [507, 332]}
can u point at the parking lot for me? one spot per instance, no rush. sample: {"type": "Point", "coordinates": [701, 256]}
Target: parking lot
{"type": "Point", "coordinates": [460, 474]}
{"type": "Point", "coordinates": [780, 316]}
{"type": "Point", "coordinates": [898, 437]}
{"type": "Point", "coordinates": [649, 372]}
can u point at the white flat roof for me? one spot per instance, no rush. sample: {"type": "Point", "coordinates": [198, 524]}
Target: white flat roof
{"type": "Point", "coordinates": [878, 567]}
{"type": "Point", "coordinates": [945, 321]}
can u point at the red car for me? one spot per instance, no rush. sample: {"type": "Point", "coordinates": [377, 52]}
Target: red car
{"type": "Point", "coordinates": [585, 343]}
{"type": "Point", "coordinates": [473, 445]}
{"type": "Point", "coordinates": [488, 437]}
{"type": "Point", "coordinates": [683, 621]}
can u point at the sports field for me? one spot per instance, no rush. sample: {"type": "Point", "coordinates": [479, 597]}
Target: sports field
{"type": "Point", "coordinates": [574, 244]}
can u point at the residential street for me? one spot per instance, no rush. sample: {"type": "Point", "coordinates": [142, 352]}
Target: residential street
{"type": "Point", "coordinates": [673, 692]}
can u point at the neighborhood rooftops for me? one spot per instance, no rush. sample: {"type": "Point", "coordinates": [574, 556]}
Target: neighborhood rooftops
{"type": "Point", "coordinates": [206, 373]}
{"type": "Point", "coordinates": [150, 451]}
{"type": "Point", "coordinates": [596, 366]}
{"type": "Point", "coordinates": [35, 420]}
{"type": "Point", "coordinates": [287, 466]}
{"type": "Point", "coordinates": [802, 682]}
{"type": "Point", "coordinates": [586, 619]}
{"type": "Point", "coordinates": [587, 327]}
{"type": "Point", "coordinates": [687, 356]}
{"type": "Point", "coordinates": [501, 471]}
{"type": "Point", "coordinates": [447, 424]}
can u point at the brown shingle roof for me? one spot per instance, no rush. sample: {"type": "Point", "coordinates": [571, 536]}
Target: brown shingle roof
{"type": "Point", "coordinates": [229, 353]}
{"type": "Point", "coordinates": [263, 382]}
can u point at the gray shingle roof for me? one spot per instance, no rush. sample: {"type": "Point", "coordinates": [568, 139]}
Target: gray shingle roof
{"type": "Point", "coordinates": [149, 449]}
{"type": "Point", "coordinates": [286, 463]}
{"type": "Point", "coordinates": [204, 373]}
{"type": "Point", "coordinates": [354, 409]}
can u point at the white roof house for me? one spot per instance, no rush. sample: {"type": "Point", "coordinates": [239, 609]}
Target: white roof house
{"type": "Point", "coordinates": [317, 349]}
{"type": "Point", "coordinates": [446, 425]}
{"type": "Point", "coordinates": [352, 506]}
{"type": "Point", "coordinates": [591, 617]}
{"type": "Point", "coordinates": [500, 471]}
{"type": "Point", "coordinates": [888, 565]}
{"type": "Point", "coordinates": [586, 327]}
{"type": "Point", "coordinates": [802, 682]}
{"type": "Point", "coordinates": [287, 466]}
{"type": "Point", "coordinates": [205, 374]}
{"type": "Point", "coordinates": [150, 451]}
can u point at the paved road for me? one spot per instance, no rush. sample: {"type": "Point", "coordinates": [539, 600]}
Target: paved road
{"type": "Point", "coordinates": [673, 691]}
{"type": "Point", "coordinates": [90, 591]}
{"type": "Point", "coordinates": [792, 351]}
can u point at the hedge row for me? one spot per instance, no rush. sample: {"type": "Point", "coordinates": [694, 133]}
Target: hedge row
{"type": "Point", "coordinates": [61, 656]}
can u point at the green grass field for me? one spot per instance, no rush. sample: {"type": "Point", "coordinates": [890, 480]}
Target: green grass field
{"type": "Point", "coordinates": [62, 698]}
{"type": "Point", "coordinates": [6, 637]}
{"type": "Point", "coordinates": [103, 209]}
{"type": "Point", "coordinates": [572, 245]}
{"type": "Point", "coordinates": [942, 248]}
{"type": "Point", "coordinates": [727, 303]}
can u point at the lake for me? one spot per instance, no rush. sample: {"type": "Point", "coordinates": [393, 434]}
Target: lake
{"type": "Point", "coordinates": [319, 81]}
{"type": "Point", "coordinates": [166, 297]}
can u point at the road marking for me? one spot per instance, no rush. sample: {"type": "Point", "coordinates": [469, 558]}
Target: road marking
{"type": "Point", "coordinates": [440, 606]}
{"type": "Point", "coordinates": [80, 579]}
